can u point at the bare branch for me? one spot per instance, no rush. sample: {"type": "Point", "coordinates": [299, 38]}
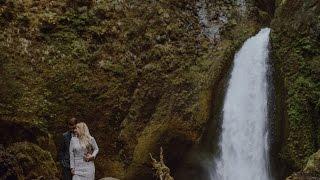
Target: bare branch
{"type": "Point", "coordinates": [162, 171]}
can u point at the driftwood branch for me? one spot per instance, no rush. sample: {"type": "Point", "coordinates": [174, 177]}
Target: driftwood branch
{"type": "Point", "coordinates": [162, 171]}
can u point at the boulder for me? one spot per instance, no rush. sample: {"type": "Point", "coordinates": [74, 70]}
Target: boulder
{"type": "Point", "coordinates": [9, 166]}
{"type": "Point", "coordinates": [311, 171]}
{"type": "Point", "coordinates": [313, 164]}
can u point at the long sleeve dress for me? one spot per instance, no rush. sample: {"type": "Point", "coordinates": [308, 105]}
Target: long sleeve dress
{"type": "Point", "coordinates": [82, 170]}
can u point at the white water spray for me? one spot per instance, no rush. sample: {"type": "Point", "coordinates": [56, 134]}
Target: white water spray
{"type": "Point", "coordinates": [244, 138]}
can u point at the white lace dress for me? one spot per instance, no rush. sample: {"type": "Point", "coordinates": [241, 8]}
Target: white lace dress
{"type": "Point", "coordinates": [83, 170]}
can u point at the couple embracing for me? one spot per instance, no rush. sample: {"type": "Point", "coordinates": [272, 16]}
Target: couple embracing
{"type": "Point", "coordinates": [78, 151]}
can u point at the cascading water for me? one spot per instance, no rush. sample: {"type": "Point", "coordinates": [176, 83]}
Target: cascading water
{"type": "Point", "coordinates": [243, 142]}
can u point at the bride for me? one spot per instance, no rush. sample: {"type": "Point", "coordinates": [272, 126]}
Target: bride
{"type": "Point", "coordinates": [83, 150]}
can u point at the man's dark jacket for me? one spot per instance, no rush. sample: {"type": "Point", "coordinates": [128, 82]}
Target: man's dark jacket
{"type": "Point", "coordinates": [64, 156]}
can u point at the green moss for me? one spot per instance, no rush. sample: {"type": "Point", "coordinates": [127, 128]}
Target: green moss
{"type": "Point", "coordinates": [295, 52]}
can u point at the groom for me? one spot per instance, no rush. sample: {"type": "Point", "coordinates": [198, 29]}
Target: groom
{"type": "Point", "coordinates": [64, 156]}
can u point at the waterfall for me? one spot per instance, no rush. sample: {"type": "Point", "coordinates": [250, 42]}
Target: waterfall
{"type": "Point", "coordinates": [244, 137]}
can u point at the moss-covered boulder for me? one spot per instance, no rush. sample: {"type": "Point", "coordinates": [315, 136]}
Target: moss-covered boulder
{"type": "Point", "coordinates": [311, 171]}
{"type": "Point", "coordinates": [313, 164]}
{"type": "Point", "coordinates": [301, 176]}
{"type": "Point", "coordinates": [25, 131]}
{"type": "Point", "coordinates": [23, 160]}
{"type": "Point", "coordinates": [33, 161]}
{"type": "Point", "coordinates": [9, 166]}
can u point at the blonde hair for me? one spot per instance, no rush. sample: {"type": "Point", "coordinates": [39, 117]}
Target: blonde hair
{"type": "Point", "coordinates": [84, 134]}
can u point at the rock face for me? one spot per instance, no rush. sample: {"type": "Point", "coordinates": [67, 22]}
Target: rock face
{"type": "Point", "coordinates": [140, 73]}
{"type": "Point", "coordinates": [296, 50]}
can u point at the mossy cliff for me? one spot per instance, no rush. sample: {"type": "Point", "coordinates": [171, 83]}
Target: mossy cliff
{"type": "Point", "coordinates": [140, 73]}
{"type": "Point", "coordinates": [296, 55]}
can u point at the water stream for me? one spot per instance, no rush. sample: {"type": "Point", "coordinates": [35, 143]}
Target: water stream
{"type": "Point", "coordinates": [244, 135]}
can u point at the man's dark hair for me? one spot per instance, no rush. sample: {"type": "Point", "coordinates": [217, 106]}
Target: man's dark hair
{"type": "Point", "coordinates": [73, 120]}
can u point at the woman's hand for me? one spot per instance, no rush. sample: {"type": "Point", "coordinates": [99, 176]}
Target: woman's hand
{"type": "Point", "coordinates": [89, 157]}
{"type": "Point", "coordinates": [72, 171]}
